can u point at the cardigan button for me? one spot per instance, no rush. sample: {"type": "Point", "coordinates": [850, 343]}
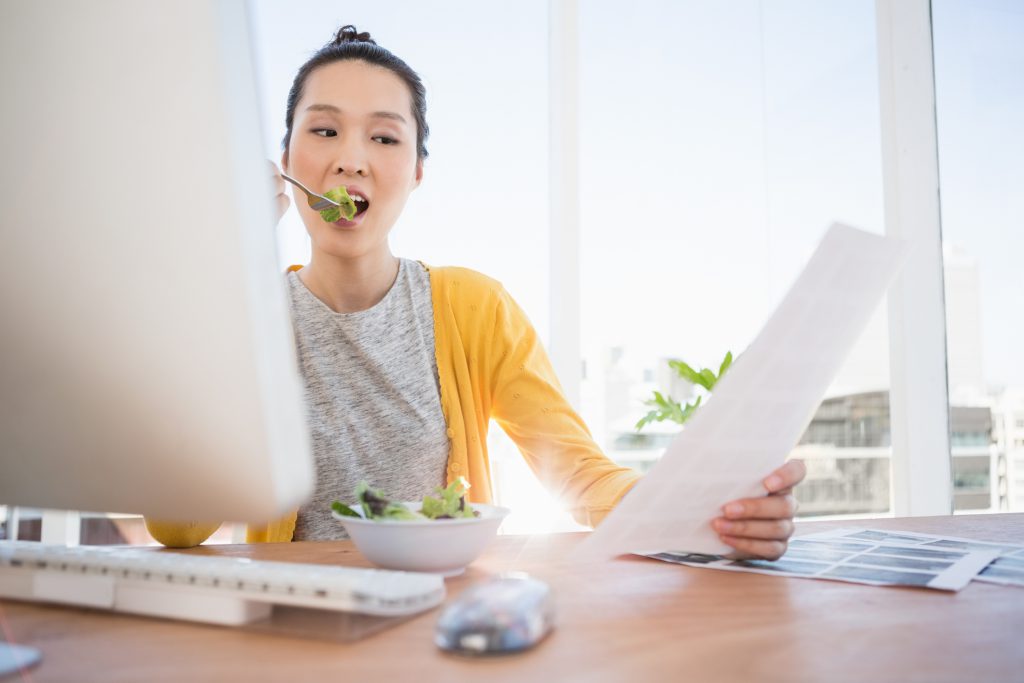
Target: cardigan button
{"type": "Point", "coordinates": [450, 433]}
{"type": "Point", "coordinates": [454, 468]}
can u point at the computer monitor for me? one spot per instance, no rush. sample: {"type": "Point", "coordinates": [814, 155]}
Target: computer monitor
{"type": "Point", "coordinates": [147, 360]}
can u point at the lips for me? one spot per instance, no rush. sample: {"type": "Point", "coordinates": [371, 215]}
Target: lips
{"type": "Point", "coordinates": [345, 223]}
{"type": "Point", "coordinates": [359, 197]}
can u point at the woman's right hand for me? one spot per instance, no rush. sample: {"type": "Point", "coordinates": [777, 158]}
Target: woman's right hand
{"type": "Point", "coordinates": [281, 199]}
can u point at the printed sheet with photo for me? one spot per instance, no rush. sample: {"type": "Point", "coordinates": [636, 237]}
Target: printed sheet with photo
{"type": "Point", "coordinates": [858, 560]}
{"type": "Point", "coordinates": [1007, 569]}
{"type": "Point", "coordinates": [760, 408]}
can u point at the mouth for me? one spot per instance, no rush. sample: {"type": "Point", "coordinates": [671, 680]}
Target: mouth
{"type": "Point", "coordinates": [361, 201]}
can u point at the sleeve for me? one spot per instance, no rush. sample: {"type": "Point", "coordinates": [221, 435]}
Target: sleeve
{"type": "Point", "coordinates": [528, 404]}
{"type": "Point", "coordinates": [180, 534]}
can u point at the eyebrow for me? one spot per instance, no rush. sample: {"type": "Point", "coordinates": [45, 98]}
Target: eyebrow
{"type": "Point", "coordinates": [377, 114]}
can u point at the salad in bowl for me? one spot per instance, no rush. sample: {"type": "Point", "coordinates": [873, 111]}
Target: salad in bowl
{"type": "Point", "coordinates": [441, 533]}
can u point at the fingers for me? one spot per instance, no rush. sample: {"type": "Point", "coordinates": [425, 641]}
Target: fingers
{"type": "Point", "coordinates": [280, 196]}
{"type": "Point", "coordinates": [763, 529]}
{"type": "Point", "coordinates": [757, 527]}
{"type": "Point", "coordinates": [786, 477]}
{"type": "Point", "coordinates": [283, 203]}
{"type": "Point", "coordinates": [776, 506]}
{"type": "Point", "coordinates": [276, 178]}
{"type": "Point", "coordinates": [748, 547]}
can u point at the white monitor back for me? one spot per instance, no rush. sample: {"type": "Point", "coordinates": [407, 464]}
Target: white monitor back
{"type": "Point", "coordinates": [147, 360]}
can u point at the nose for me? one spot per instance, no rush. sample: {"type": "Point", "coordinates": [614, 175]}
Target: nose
{"type": "Point", "coordinates": [351, 157]}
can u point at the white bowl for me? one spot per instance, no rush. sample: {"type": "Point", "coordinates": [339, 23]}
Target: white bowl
{"type": "Point", "coordinates": [443, 546]}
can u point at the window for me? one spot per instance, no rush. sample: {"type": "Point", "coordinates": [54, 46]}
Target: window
{"type": "Point", "coordinates": [979, 57]}
{"type": "Point", "coordinates": [717, 142]}
{"type": "Point", "coordinates": [716, 150]}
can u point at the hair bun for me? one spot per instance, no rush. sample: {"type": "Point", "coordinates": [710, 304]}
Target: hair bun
{"type": "Point", "coordinates": [350, 34]}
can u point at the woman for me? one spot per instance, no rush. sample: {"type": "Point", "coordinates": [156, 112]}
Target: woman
{"type": "Point", "coordinates": [405, 365]}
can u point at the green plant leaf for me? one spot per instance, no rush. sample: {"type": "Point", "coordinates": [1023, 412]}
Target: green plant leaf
{"type": "Point", "coordinates": [688, 373]}
{"type": "Point", "coordinates": [726, 363]}
{"type": "Point", "coordinates": [690, 409]}
{"type": "Point", "coordinates": [667, 408]}
{"type": "Point", "coordinates": [645, 420]}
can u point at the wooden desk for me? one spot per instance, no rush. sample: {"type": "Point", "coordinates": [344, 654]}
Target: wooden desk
{"type": "Point", "coordinates": [632, 620]}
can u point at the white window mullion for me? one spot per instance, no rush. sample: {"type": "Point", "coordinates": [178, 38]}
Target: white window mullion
{"type": "Point", "coordinates": [563, 168]}
{"type": "Point", "coordinates": [921, 460]}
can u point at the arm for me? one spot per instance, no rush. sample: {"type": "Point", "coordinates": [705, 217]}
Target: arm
{"type": "Point", "coordinates": [527, 402]}
{"type": "Point", "coordinates": [529, 405]}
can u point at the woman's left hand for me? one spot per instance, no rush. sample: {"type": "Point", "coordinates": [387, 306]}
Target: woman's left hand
{"type": "Point", "coordinates": [761, 527]}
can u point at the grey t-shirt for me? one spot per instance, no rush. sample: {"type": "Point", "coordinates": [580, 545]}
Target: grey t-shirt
{"type": "Point", "coordinates": [372, 396]}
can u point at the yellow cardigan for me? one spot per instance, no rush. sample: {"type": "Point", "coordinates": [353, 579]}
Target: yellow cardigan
{"type": "Point", "coordinates": [491, 365]}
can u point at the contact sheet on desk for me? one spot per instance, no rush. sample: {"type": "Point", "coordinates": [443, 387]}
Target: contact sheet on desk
{"type": "Point", "coordinates": [1006, 569]}
{"type": "Point", "coordinates": [859, 560]}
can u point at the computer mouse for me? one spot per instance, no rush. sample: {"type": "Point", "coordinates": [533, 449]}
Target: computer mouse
{"type": "Point", "coordinates": [506, 614]}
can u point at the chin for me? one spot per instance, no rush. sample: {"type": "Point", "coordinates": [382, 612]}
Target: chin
{"type": "Point", "coordinates": [345, 247]}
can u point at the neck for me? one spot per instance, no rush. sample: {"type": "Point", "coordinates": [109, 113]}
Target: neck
{"type": "Point", "coordinates": [350, 285]}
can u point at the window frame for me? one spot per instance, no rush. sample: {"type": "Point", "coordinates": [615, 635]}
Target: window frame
{"type": "Point", "coordinates": [922, 476]}
{"type": "Point", "coordinates": [919, 396]}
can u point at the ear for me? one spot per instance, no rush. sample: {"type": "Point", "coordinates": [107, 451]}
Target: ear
{"type": "Point", "coordinates": [284, 161]}
{"type": "Point", "coordinates": [418, 178]}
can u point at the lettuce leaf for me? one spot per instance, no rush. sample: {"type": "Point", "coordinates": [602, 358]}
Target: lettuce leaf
{"type": "Point", "coordinates": [448, 503]}
{"type": "Point", "coordinates": [344, 510]}
{"type": "Point", "coordinates": [347, 210]}
{"type": "Point", "coordinates": [376, 505]}
{"type": "Point", "coordinates": [451, 502]}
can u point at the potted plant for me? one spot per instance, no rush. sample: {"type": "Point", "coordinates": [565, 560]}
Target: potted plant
{"type": "Point", "coordinates": [667, 408]}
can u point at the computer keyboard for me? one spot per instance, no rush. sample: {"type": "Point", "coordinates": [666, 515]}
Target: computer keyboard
{"type": "Point", "coordinates": [219, 590]}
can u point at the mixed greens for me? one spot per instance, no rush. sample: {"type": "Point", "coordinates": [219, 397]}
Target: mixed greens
{"type": "Point", "coordinates": [347, 208]}
{"type": "Point", "coordinates": [449, 503]}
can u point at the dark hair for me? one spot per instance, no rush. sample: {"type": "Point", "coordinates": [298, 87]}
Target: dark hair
{"type": "Point", "coordinates": [349, 43]}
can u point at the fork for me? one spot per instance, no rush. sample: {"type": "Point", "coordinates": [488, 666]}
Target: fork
{"type": "Point", "coordinates": [317, 202]}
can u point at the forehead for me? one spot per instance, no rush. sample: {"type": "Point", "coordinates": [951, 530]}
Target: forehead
{"type": "Point", "coordinates": [357, 88]}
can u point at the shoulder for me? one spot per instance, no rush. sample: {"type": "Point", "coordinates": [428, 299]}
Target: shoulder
{"type": "Point", "coordinates": [459, 285]}
{"type": "Point", "coordinates": [457, 276]}
{"type": "Point", "coordinates": [478, 305]}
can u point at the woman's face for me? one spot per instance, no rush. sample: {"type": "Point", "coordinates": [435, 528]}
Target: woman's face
{"type": "Point", "coordinates": [354, 127]}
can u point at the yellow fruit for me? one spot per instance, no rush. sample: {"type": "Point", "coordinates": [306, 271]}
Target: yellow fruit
{"type": "Point", "coordinates": [180, 534]}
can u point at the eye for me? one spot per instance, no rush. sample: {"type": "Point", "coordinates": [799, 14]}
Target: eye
{"type": "Point", "coordinates": [325, 132]}
{"type": "Point", "coordinates": [384, 140]}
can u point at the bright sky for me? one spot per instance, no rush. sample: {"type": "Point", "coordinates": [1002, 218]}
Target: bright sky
{"type": "Point", "coordinates": [979, 58]}
{"type": "Point", "coordinates": [718, 141]}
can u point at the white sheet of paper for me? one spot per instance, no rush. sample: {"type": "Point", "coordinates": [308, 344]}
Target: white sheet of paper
{"type": "Point", "coordinates": [760, 407]}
